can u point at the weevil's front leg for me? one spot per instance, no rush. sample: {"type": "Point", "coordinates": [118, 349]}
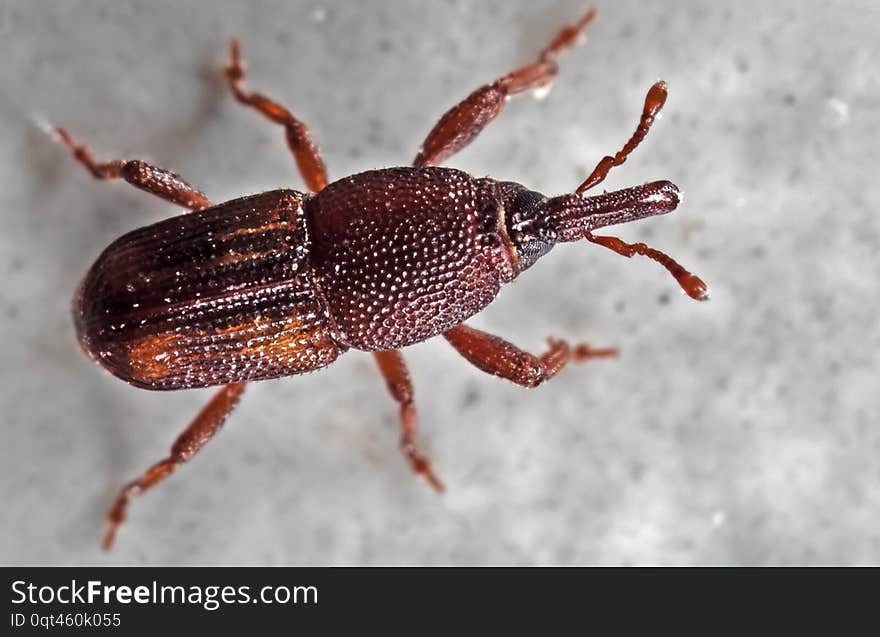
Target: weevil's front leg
{"type": "Point", "coordinates": [194, 437]}
{"type": "Point", "coordinates": [464, 121]}
{"type": "Point", "coordinates": [496, 356]}
{"type": "Point", "coordinates": [654, 101]}
{"type": "Point", "coordinates": [305, 151]}
{"type": "Point", "coordinates": [396, 376]}
{"type": "Point", "coordinates": [157, 181]}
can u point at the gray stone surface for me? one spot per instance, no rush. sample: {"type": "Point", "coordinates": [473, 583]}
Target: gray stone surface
{"type": "Point", "coordinates": [742, 431]}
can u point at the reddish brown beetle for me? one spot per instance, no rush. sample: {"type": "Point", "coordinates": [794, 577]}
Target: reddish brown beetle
{"type": "Point", "coordinates": [283, 282]}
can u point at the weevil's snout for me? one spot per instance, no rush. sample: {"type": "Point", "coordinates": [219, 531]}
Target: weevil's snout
{"type": "Point", "coordinates": [573, 217]}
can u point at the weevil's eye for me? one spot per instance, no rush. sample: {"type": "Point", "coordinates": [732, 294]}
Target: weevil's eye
{"type": "Point", "coordinates": [523, 222]}
{"type": "Point", "coordinates": [530, 251]}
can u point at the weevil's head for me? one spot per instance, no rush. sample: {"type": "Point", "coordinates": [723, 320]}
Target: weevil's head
{"type": "Point", "coordinates": [535, 223]}
{"type": "Point", "coordinates": [520, 206]}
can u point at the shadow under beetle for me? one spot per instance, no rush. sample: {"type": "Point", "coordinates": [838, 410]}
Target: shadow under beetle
{"type": "Point", "coordinates": [283, 282]}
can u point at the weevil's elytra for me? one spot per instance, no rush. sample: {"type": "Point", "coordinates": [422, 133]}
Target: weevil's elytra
{"type": "Point", "coordinates": [284, 282]}
{"type": "Point", "coordinates": [225, 295]}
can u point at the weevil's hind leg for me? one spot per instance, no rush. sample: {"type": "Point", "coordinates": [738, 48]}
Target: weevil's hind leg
{"type": "Point", "coordinates": [463, 122]}
{"type": "Point", "coordinates": [496, 356]}
{"type": "Point", "coordinates": [305, 151]}
{"type": "Point", "coordinates": [205, 425]}
{"type": "Point", "coordinates": [654, 101]}
{"type": "Point", "coordinates": [157, 181]}
{"type": "Point", "coordinates": [396, 376]}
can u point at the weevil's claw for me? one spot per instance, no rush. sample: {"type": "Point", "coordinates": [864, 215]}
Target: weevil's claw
{"type": "Point", "coordinates": [583, 351]}
{"type": "Point", "coordinates": [433, 480]}
{"type": "Point", "coordinates": [61, 135]}
{"type": "Point", "coordinates": [570, 36]}
{"type": "Point", "coordinates": [115, 518]}
{"type": "Point", "coordinates": [235, 68]}
{"type": "Point", "coordinates": [80, 151]}
{"type": "Point", "coordinates": [116, 514]}
{"type": "Point", "coordinates": [109, 537]}
{"type": "Point", "coordinates": [422, 466]}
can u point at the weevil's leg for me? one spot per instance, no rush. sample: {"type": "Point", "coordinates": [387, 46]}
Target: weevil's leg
{"type": "Point", "coordinates": [157, 181]}
{"type": "Point", "coordinates": [205, 425]}
{"type": "Point", "coordinates": [689, 282]}
{"type": "Point", "coordinates": [396, 376]}
{"type": "Point", "coordinates": [654, 101]}
{"type": "Point", "coordinates": [305, 152]}
{"type": "Point", "coordinates": [463, 122]}
{"type": "Point", "coordinates": [496, 356]}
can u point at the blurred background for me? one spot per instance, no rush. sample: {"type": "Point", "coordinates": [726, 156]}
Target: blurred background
{"type": "Point", "coordinates": [743, 430]}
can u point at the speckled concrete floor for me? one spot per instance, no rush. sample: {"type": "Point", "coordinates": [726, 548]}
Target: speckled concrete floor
{"type": "Point", "coordinates": [743, 430]}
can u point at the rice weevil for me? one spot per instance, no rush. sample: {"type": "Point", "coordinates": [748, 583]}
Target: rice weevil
{"type": "Point", "coordinates": [283, 282]}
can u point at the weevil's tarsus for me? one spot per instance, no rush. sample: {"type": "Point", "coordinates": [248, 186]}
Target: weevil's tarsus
{"type": "Point", "coordinates": [156, 181]}
{"type": "Point", "coordinates": [570, 35]}
{"type": "Point", "coordinates": [461, 124]}
{"type": "Point", "coordinates": [205, 425]}
{"type": "Point", "coordinates": [396, 376]}
{"type": "Point", "coordinates": [498, 357]}
{"type": "Point", "coordinates": [654, 102]}
{"type": "Point", "coordinates": [582, 352]}
{"type": "Point", "coordinates": [305, 151]}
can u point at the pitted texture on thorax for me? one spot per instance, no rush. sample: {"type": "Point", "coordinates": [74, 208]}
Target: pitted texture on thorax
{"type": "Point", "coordinates": [402, 254]}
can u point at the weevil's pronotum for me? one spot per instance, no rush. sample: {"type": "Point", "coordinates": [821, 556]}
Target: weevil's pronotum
{"type": "Point", "coordinates": [283, 282]}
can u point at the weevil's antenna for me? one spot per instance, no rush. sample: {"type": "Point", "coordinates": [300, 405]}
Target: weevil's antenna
{"type": "Point", "coordinates": [654, 101]}
{"type": "Point", "coordinates": [693, 285]}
